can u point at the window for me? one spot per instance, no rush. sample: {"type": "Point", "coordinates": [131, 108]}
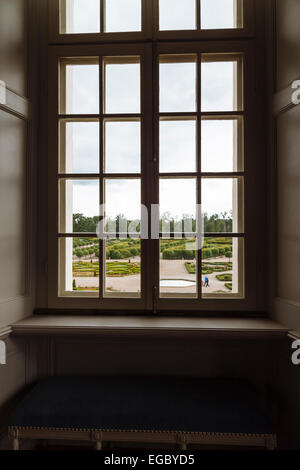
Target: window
{"type": "Point", "coordinates": [151, 19]}
{"type": "Point", "coordinates": [154, 157]}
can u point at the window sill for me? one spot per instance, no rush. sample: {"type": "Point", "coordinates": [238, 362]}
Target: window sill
{"type": "Point", "coordinates": [147, 326]}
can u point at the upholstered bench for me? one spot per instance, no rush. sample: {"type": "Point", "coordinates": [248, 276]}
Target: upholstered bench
{"type": "Point", "coordinates": [162, 410]}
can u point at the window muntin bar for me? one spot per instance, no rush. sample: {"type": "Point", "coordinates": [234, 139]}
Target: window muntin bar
{"type": "Point", "coordinates": [178, 259]}
{"type": "Point", "coordinates": [79, 146]}
{"type": "Point", "coordinates": [79, 86]}
{"type": "Point", "coordinates": [122, 138]}
{"type": "Point", "coordinates": [177, 15]}
{"type": "Point", "coordinates": [222, 204]}
{"type": "Point", "coordinates": [221, 14]}
{"type": "Point", "coordinates": [79, 16]}
{"type": "Point", "coordinates": [123, 16]}
{"type": "Point", "coordinates": [79, 267]}
{"type": "Point", "coordinates": [177, 145]}
{"type": "Point", "coordinates": [122, 268]}
{"type": "Point", "coordinates": [122, 85]}
{"type": "Point", "coordinates": [222, 144]}
{"type": "Point", "coordinates": [221, 83]}
{"type": "Point", "coordinates": [223, 267]}
{"type": "Point", "coordinates": [177, 84]}
{"type": "Point", "coordinates": [79, 205]}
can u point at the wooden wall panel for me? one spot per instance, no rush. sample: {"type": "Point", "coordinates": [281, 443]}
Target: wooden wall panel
{"type": "Point", "coordinates": [12, 205]}
{"type": "Point", "coordinates": [206, 358]}
{"type": "Point", "coordinates": [288, 140]}
{"type": "Point", "coordinates": [288, 42]}
{"type": "Point", "coordinates": [13, 45]}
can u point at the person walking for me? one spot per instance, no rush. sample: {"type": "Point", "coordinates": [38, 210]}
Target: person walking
{"type": "Point", "coordinates": [206, 282]}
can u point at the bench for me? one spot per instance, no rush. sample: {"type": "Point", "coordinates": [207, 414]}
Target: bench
{"type": "Point", "coordinates": [179, 411]}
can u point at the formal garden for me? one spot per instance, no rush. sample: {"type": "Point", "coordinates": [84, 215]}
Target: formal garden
{"type": "Point", "coordinates": [123, 258]}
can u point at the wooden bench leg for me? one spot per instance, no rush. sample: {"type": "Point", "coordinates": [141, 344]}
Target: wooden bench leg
{"type": "Point", "coordinates": [181, 442]}
{"type": "Point", "coordinates": [271, 443]}
{"type": "Point", "coordinates": [182, 446]}
{"type": "Point", "coordinates": [98, 445]}
{"type": "Point", "coordinates": [16, 444]}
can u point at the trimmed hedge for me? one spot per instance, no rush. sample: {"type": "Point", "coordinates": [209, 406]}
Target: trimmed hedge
{"type": "Point", "coordinates": [224, 277]}
{"type": "Point", "coordinates": [178, 253]}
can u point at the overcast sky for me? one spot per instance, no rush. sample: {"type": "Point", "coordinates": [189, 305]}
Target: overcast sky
{"type": "Point", "coordinates": [177, 138]}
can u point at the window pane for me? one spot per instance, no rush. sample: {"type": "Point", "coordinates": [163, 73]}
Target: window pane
{"type": "Point", "coordinates": [178, 268]}
{"type": "Point", "coordinates": [79, 206]}
{"type": "Point", "coordinates": [79, 263]}
{"type": "Point", "coordinates": [123, 268]}
{"type": "Point", "coordinates": [122, 87]}
{"type": "Point", "coordinates": [80, 16]}
{"type": "Point", "coordinates": [177, 14]}
{"type": "Point", "coordinates": [79, 147]}
{"type": "Point", "coordinates": [122, 146]}
{"type": "Point", "coordinates": [177, 205]}
{"type": "Point", "coordinates": [222, 267]}
{"type": "Point", "coordinates": [123, 15]}
{"type": "Point", "coordinates": [220, 142]}
{"type": "Point", "coordinates": [177, 85]}
{"type": "Point", "coordinates": [221, 14]}
{"type": "Point", "coordinates": [222, 205]}
{"type": "Point", "coordinates": [177, 146]}
{"type": "Point", "coordinates": [82, 89]}
{"type": "Point", "coordinates": [219, 86]}
{"type": "Point", "coordinates": [123, 205]}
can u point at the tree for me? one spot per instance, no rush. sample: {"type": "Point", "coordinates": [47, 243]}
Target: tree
{"type": "Point", "coordinates": [74, 285]}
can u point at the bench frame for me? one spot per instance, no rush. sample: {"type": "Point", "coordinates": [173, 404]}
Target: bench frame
{"type": "Point", "coordinates": [179, 439]}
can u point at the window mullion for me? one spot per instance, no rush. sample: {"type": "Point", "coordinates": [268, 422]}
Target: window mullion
{"type": "Point", "coordinates": [199, 179]}
{"type": "Point", "coordinates": [101, 169]}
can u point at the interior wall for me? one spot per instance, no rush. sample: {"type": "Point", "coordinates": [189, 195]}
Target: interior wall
{"type": "Point", "coordinates": [17, 192]}
{"type": "Point", "coordinates": [286, 298]}
{"type": "Point", "coordinates": [16, 152]}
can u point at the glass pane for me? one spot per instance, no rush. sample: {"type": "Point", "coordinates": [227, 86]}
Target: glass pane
{"type": "Point", "coordinates": [122, 146]}
{"type": "Point", "coordinates": [79, 206]}
{"type": "Point", "coordinates": [122, 87]}
{"type": "Point", "coordinates": [80, 16]}
{"type": "Point", "coordinates": [178, 268]}
{"type": "Point", "coordinates": [220, 141]}
{"type": "Point", "coordinates": [220, 205]}
{"type": "Point", "coordinates": [221, 14]}
{"type": "Point", "coordinates": [123, 267]}
{"type": "Point", "coordinates": [177, 14]}
{"type": "Point", "coordinates": [122, 16]}
{"type": "Point", "coordinates": [222, 267]}
{"type": "Point", "coordinates": [177, 146]}
{"type": "Point", "coordinates": [177, 88]}
{"type": "Point", "coordinates": [219, 86]}
{"type": "Point", "coordinates": [79, 265]}
{"type": "Point", "coordinates": [123, 205]}
{"type": "Point", "coordinates": [177, 205]}
{"type": "Point", "coordinates": [82, 89]}
{"type": "Point", "coordinates": [80, 147]}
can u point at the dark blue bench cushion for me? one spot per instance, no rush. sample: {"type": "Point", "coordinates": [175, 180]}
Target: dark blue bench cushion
{"type": "Point", "coordinates": [140, 403]}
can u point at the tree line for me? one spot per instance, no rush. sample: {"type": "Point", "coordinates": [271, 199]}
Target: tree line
{"type": "Point", "coordinates": [216, 223]}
